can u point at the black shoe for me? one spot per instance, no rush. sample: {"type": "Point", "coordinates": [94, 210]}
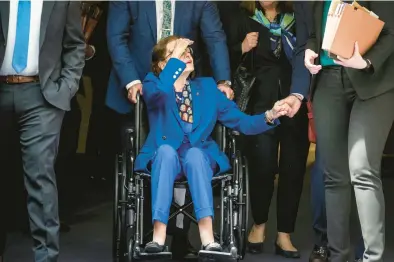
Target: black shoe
{"type": "Point", "coordinates": [285, 253]}
{"type": "Point", "coordinates": [182, 249]}
{"type": "Point", "coordinates": [319, 254]}
{"type": "Point", "coordinates": [213, 247]}
{"type": "Point", "coordinates": [255, 248]}
{"type": "Point", "coordinates": [153, 248]}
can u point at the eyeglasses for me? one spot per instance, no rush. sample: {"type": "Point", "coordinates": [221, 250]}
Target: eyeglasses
{"type": "Point", "coordinates": [188, 50]}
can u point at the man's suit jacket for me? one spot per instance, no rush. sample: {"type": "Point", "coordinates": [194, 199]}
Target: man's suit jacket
{"type": "Point", "coordinates": [132, 34]}
{"type": "Point", "coordinates": [209, 106]}
{"type": "Point", "coordinates": [301, 76]}
{"type": "Point", "coordinates": [62, 49]}
{"type": "Point", "coordinates": [381, 55]}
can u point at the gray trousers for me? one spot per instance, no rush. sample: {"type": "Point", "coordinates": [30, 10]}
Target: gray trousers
{"type": "Point", "coordinates": [351, 134]}
{"type": "Point", "coordinates": [24, 109]}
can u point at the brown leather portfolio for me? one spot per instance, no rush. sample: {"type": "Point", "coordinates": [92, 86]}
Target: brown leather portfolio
{"type": "Point", "coordinates": [347, 24]}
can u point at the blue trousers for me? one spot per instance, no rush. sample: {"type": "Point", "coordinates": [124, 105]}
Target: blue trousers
{"type": "Point", "coordinates": [319, 206]}
{"type": "Point", "coordinates": [167, 165]}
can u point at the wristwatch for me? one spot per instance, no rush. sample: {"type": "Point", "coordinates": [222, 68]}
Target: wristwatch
{"type": "Point", "coordinates": [369, 67]}
{"type": "Point", "coordinates": [224, 82]}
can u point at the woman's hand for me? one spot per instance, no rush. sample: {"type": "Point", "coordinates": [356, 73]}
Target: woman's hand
{"type": "Point", "coordinates": [309, 61]}
{"type": "Point", "coordinates": [180, 47]}
{"type": "Point", "coordinates": [356, 61]}
{"type": "Point", "coordinates": [279, 109]}
{"type": "Point", "coordinates": [250, 42]}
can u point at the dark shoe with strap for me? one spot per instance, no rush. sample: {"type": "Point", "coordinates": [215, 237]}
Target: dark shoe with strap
{"type": "Point", "coordinates": [286, 253]}
{"type": "Point", "coordinates": [154, 247]}
{"type": "Point", "coordinates": [213, 247]}
{"type": "Point", "coordinates": [319, 254]}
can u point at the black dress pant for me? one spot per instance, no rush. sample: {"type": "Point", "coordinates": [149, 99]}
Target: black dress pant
{"type": "Point", "coordinates": [292, 137]}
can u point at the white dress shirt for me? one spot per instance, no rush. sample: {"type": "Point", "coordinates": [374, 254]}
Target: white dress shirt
{"type": "Point", "coordinates": [159, 22]}
{"type": "Point", "coordinates": [34, 40]}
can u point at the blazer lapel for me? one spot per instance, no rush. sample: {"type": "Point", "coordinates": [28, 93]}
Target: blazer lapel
{"type": "Point", "coordinates": [196, 104]}
{"type": "Point", "coordinates": [150, 10]}
{"type": "Point", "coordinates": [5, 14]}
{"type": "Point", "coordinates": [46, 14]}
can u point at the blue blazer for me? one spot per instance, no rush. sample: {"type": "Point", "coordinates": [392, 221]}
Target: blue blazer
{"type": "Point", "coordinates": [209, 106]}
{"type": "Point", "coordinates": [132, 34]}
{"type": "Point", "coordinates": [301, 77]}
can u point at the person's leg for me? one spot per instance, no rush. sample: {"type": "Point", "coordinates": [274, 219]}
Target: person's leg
{"type": "Point", "coordinates": [262, 153]}
{"type": "Point", "coordinates": [294, 148]}
{"type": "Point", "coordinates": [370, 124]}
{"type": "Point", "coordinates": [318, 201]}
{"type": "Point", "coordinates": [39, 126]}
{"type": "Point", "coordinates": [198, 169]}
{"type": "Point", "coordinates": [165, 168]}
{"type": "Point", "coordinates": [360, 248]}
{"type": "Point", "coordinates": [331, 105]}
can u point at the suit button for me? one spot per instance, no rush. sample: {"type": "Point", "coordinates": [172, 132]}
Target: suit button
{"type": "Point", "coordinates": [203, 140]}
{"type": "Point", "coordinates": [164, 137]}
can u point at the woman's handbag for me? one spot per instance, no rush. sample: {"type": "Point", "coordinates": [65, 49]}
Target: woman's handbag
{"type": "Point", "coordinates": [311, 124]}
{"type": "Point", "coordinates": [243, 81]}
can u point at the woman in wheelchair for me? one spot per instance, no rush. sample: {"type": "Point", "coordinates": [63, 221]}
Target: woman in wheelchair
{"type": "Point", "coordinates": [182, 113]}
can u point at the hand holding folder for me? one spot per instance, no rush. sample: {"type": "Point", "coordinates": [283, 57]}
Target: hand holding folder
{"type": "Point", "coordinates": [348, 24]}
{"type": "Point", "coordinates": [90, 15]}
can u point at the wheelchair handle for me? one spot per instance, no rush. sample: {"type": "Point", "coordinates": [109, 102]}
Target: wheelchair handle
{"type": "Point", "coordinates": [137, 118]}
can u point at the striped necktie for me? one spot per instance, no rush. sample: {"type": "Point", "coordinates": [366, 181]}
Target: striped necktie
{"type": "Point", "coordinates": [167, 17]}
{"type": "Point", "coordinates": [21, 48]}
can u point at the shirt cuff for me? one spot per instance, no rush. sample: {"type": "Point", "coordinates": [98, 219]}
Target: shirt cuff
{"type": "Point", "coordinates": [298, 95]}
{"type": "Point", "coordinates": [132, 83]}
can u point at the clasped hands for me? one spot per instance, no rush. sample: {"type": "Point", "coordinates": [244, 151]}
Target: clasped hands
{"type": "Point", "coordinates": [288, 106]}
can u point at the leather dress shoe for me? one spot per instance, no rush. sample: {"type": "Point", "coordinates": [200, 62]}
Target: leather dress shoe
{"type": "Point", "coordinates": [319, 254]}
{"type": "Point", "coordinates": [286, 253]}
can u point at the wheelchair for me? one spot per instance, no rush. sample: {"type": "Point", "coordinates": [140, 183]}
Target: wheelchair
{"type": "Point", "coordinates": [128, 233]}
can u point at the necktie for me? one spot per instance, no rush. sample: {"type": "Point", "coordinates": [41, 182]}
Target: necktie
{"type": "Point", "coordinates": [19, 59]}
{"type": "Point", "coordinates": [167, 16]}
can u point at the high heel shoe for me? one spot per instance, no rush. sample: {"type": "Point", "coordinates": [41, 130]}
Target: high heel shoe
{"type": "Point", "coordinates": [286, 253]}
{"type": "Point", "coordinates": [255, 248]}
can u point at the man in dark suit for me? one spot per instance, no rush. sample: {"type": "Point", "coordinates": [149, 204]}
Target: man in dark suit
{"type": "Point", "coordinates": [353, 111]}
{"type": "Point", "coordinates": [134, 27]}
{"type": "Point", "coordinates": [41, 57]}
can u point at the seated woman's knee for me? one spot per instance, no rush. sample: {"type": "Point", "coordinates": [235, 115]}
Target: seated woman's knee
{"type": "Point", "coordinates": [166, 152]}
{"type": "Point", "coordinates": [195, 156]}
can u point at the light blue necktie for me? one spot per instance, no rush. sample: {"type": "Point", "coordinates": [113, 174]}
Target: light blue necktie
{"type": "Point", "coordinates": [21, 49]}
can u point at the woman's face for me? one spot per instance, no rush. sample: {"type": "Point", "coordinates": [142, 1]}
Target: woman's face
{"type": "Point", "coordinates": [187, 57]}
{"type": "Point", "coordinates": [267, 4]}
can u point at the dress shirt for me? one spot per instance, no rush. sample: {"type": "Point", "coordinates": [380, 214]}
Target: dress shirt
{"type": "Point", "coordinates": [34, 40]}
{"type": "Point", "coordinates": [159, 22]}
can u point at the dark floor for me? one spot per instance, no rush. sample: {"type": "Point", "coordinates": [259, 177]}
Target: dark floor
{"type": "Point", "coordinates": [90, 236]}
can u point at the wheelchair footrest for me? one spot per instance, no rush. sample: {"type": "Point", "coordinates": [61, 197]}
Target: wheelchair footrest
{"type": "Point", "coordinates": [142, 255]}
{"type": "Point", "coordinates": [214, 256]}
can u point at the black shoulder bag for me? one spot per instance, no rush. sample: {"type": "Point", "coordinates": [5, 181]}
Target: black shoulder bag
{"type": "Point", "coordinates": [243, 81]}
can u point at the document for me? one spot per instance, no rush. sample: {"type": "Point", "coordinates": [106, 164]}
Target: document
{"type": "Point", "coordinates": [347, 24]}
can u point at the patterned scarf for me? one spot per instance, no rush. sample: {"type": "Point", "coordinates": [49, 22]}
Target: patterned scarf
{"type": "Point", "coordinates": [281, 33]}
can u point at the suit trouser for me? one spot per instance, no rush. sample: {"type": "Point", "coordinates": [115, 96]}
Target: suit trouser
{"type": "Point", "coordinates": [319, 206]}
{"type": "Point", "coordinates": [351, 134]}
{"type": "Point", "coordinates": [23, 107]}
{"type": "Point", "coordinates": [166, 167]}
{"type": "Point", "coordinates": [292, 135]}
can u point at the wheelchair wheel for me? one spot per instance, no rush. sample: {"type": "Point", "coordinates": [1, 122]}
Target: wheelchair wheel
{"type": "Point", "coordinates": [243, 219]}
{"type": "Point", "coordinates": [116, 222]}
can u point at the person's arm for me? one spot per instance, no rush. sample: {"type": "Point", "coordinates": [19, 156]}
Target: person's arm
{"type": "Point", "coordinates": [312, 41]}
{"type": "Point", "coordinates": [300, 75]}
{"type": "Point", "coordinates": [230, 116]}
{"type": "Point", "coordinates": [235, 38]}
{"type": "Point", "coordinates": [157, 89]}
{"type": "Point", "coordinates": [73, 51]}
{"type": "Point", "coordinates": [118, 35]}
{"type": "Point", "coordinates": [384, 47]}
{"type": "Point", "coordinates": [215, 40]}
